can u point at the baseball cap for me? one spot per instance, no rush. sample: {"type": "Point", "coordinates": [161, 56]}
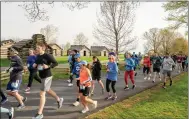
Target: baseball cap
{"type": "Point", "coordinates": [77, 55]}
{"type": "Point", "coordinates": [83, 62]}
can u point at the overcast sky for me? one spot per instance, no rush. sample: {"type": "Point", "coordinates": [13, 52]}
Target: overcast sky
{"type": "Point", "coordinates": [14, 23]}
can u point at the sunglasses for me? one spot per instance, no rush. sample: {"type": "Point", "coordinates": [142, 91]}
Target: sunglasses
{"type": "Point", "coordinates": [110, 58]}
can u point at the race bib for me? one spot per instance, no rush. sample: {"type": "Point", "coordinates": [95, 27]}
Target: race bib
{"type": "Point", "coordinates": [28, 65]}
{"type": "Point", "coordinates": [40, 67]}
{"type": "Point", "coordinates": [14, 84]}
{"type": "Point", "coordinates": [82, 87]}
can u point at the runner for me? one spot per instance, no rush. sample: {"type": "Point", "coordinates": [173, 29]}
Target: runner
{"type": "Point", "coordinates": [156, 66]}
{"type": "Point", "coordinates": [135, 59]}
{"type": "Point", "coordinates": [96, 74]}
{"type": "Point", "coordinates": [146, 68]}
{"type": "Point", "coordinates": [179, 62]}
{"type": "Point", "coordinates": [112, 72]}
{"type": "Point", "coordinates": [76, 71]}
{"type": "Point", "coordinates": [139, 59]}
{"type": "Point", "coordinates": [9, 112]}
{"type": "Point", "coordinates": [84, 88]}
{"type": "Point", "coordinates": [4, 99]}
{"type": "Point", "coordinates": [71, 63]}
{"type": "Point", "coordinates": [16, 68]}
{"type": "Point", "coordinates": [44, 63]}
{"type": "Point", "coordinates": [32, 71]}
{"type": "Point", "coordinates": [183, 61]}
{"type": "Point", "coordinates": [151, 62]}
{"type": "Point", "coordinates": [186, 63]}
{"type": "Point", "coordinates": [129, 71]}
{"type": "Point", "coordinates": [167, 69]}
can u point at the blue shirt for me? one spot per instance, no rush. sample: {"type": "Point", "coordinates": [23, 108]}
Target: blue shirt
{"type": "Point", "coordinates": [135, 59]}
{"type": "Point", "coordinates": [129, 64]}
{"type": "Point", "coordinates": [30, 61]}
{"type": "Point", "coordinates": [76, 69]}
{"type": "Point", "coordinates": [113, 71]}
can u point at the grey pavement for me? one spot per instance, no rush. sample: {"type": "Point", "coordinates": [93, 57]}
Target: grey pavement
{"type": "Point", "coordinates": [69, 94]}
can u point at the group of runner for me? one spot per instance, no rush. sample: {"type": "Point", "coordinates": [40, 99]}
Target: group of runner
{"type": "Point", "coordinates": [85, 75]}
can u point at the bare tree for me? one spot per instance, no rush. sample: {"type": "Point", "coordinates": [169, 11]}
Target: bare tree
{"type": "Point", "coordinates": [36, 10]}
{"type": "Point", "coordinates": [115, 25]}
{"type": "Point", "coordinates": [67, 46]}
{"type": "Point", "coordinates": [50, 33]}
{"type": "Point", "coordinates": [153, 39]}
{"type": "Point", "coordinates": [167, 38]}
{"type": "Point", "coordinates": [81, 39]}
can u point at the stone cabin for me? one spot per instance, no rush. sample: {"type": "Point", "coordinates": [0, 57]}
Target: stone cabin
{"type": "Point", "coordinates": [57, 50]}
{"type": "Point", "coordinates": [83, 50]}
{"type": "Point", "coordinates": [99, 51]}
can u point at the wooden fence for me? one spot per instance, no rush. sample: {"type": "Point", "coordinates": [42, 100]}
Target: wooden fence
{"type": "Point", "coordinates": [4, 75]}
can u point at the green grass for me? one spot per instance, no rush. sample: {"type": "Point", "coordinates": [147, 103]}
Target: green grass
{"type": "Point", "coordinates": [155, 103]}
{"type": "Point", "coordinates": [5, 62]}
{"type": "Point", "coordinates": [61, 60]}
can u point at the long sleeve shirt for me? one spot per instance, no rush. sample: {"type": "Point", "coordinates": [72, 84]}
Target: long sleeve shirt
{"type": "Point", "coordinates": [76, 69]}
{"type": "Point", "coordinates": [17, 65]}
{"type": "Point", "coordinates": [129, 64]}
{"type": "Point", "coordinates": [168, 63]}
{"type": "Point", "coordinates": [30, 61]}
{"type": "Point", "coordinates": [46, 59]}
{"type": "Point", "coordinates": [113, 71]}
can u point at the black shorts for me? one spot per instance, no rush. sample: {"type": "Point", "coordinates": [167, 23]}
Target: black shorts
{"type": "Point", "coordinates": [78, 83]}
{"type": "Point", "coordinates": [85, 91]}
{"type": "Point", "coordinates": [98, 78]}
{"type": "Point", "coordinates": [156, 70]}
{"type": "Point", "coordinates": [146, 69]}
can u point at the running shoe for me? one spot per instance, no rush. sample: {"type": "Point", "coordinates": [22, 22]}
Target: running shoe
{"type": "Point", "coordinates": [27, 89]}
{"type": "Point", "coordinates": [70, 84]}
{"type": "Point", "coordinates": [114, 97]}
{"type": "Point", "coordinates": [69, 81]}
{"type": "Point", "coordinates": [38, 116]}
{"type": "Point", "coordinates": [133, 86]}
{"type": "Point", "coordinates": [148, 78]}
{"type": "Point", "coordinates": [153, 81]}
{"type": "Point", "coordinates": [109, 97]}
{"type": "Point", "coordinates": [126, 88]}
{"type": "Point", "coordinates": [145, 78]}
{"type": "Point", "coordinates": [85, 110]}
{"type": "Point", "coordinates": [60, 102]}
{"type": "Point", "coordinates": [76, 103]}
{"type": "Point", "coordinates": [19, 107]}
{"type": "Point", "coordinates": [3, 101]}
{"type": "Point", "coordinates": [164, 87]}
{"type": "Point", "coordinates": [11, 113]}
{"type": "Point", "coordinates": [95, 104]}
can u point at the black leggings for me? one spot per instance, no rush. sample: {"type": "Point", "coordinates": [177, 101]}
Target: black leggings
{"type": "Point", "coordinates": [2, 95]}
{"type": "Point", "coordinates": [112, 85]}
{"type": "Point", "coordinates": [33, 75]}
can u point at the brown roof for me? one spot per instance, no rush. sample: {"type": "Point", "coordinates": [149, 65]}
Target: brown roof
{"type": "Point", "coordinates": [99, 48]}
{"type": "Point", "coordinates": [22, 43]}
{"type": "Point", "coordinates": [54, 44]}
{"type": "Point", "coordinates": [78, 47]}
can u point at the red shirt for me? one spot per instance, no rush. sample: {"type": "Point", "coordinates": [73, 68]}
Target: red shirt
{"type": "Point", "coordinates": [179, 59]}
{"type": "Point", "coordinates": [146, 62]}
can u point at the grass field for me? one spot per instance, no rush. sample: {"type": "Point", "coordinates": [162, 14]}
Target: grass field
{"type": "Point", "coordinates": [155, 103]}
{"type": "Point", "coordinates": [60, 60]}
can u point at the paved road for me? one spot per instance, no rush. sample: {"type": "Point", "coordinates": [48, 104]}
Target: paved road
{"type": "Point", "coordinates": [69, 93]}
